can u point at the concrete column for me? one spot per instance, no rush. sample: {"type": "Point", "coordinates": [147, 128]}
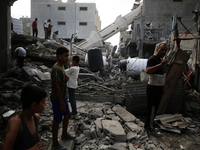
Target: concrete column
{"type": "Point", "coordinates": [5, 37]}
{"type": "Point", "coordinates": [142, 37]}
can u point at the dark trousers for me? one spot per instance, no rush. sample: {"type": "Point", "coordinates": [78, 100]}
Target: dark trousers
{"type": "Point", "coordinates": [72, 100]}
{"type": "Point", "coordinates": [20, 61]}
{"type": "Point", "coordinates": [154, 95]}
{"type": "Point", "coordinates": [46, 32]}
{"type": "Point", "coordinates": [35, 32]}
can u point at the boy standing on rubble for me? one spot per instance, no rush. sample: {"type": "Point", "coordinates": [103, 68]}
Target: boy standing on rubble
{"type": "Point", "coordinates": [155, 70]}
{"type": "Point", "coordinates": [59, 98]}
{"type": "Point", "coordinates": [72, 73]}
{"type": "Point", "coordinates": [22, 129]}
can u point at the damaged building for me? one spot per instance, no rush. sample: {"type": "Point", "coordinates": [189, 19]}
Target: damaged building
{"type": "Point", "coordinates": [112, 104]}
{"type": "Point", "coordinates": [154, 24]}
{"type": "Point", "coordinates": [67, 18]}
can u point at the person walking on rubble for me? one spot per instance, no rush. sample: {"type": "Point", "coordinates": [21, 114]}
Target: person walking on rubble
{"type": "Point", "coordinates": [59, 98]}
{"type": "Point", "coordinates": [72, 73]}
{"type": "Point", "coordinates": [20, 55]}
{"type": "Point", "coordinates": [34, 27]}
{"type": "Point", "coordinates": [22, 128]}
{"type": "Point", "coordinates": [155, 70]}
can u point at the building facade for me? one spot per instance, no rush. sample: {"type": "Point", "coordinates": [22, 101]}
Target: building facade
{"type": "Point", "coordinates": [154, 24]}
{"type": "Point", "coordinates": [66, 18]}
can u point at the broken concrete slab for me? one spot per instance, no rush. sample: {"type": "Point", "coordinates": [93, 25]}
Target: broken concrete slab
{"type": "Point", "coordinates": [131, 135]}
{"type": "Point", "coordinates": [133, 127]}
{"type": "Point", "coordinates": [115, 129]}
{"type": "Point", "coordinates": [98, 123]}
{"type": "Point", "coordinates": [43, 68]}
{"type": "Point", "coordinates": [123, 113]}
{"type": "Point", "coordinates": [8, 113]}
{"type": "Point", "coordinates": [169, 118]}
{"type": "Point", "coordinates": [119, 146]}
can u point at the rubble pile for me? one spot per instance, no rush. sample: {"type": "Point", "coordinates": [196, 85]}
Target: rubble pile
{"type": "Point", "coordinates": [109, 126]}
{"type": "Point", "coordinates": [41, 49]}
{"type": "Point", "coordinates": [103, 122]}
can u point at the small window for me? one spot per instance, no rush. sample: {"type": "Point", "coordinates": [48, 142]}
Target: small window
{"type": "Point", "coordinates": [61, 8]}
{"type": "Point", "coordinates": [177, 0]}
{"type": "Point", "coordinates": [82, 23]}
{"type": "Point", "coordinates": [48, 5]}
{"type": "Point", "coordinates": [83, 8]}
{"type": "Point", "coordinates": [61, 23]}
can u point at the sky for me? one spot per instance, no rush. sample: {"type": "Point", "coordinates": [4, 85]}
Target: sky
{"type": "Point", "coordinates": [108, 11]}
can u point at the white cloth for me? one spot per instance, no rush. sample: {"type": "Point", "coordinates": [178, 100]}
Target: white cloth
{"type": "Point", "coordinates": [21, 51]}
{"type": "Point", "coordinates": [157, 79]}
{"type": "Point", "coordinates": [72, 73]}
{"type": "Point", "coordinates": [46, 24]}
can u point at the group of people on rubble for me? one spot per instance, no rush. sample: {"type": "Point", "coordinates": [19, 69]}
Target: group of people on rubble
{"type": "Point", "coordinates": [47, 28]}
{"type": "Point", "coordinates": [22, 128]}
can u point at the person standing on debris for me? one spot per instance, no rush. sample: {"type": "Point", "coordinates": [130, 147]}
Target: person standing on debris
{"type": "Point", "coordinates": [49, 29]}
{"type": "Point", "coordinates": [110, 59]}
{"type": "Point", "coordinates": [22, 128]}
{"type": "Point", "coordinates": [34, 27]}
{"type": "Point", "coordinates": [155, 85]}
{"type": "Point", "coordinates": [20, 55]}
{"type": "Point", "coordinates": [59, 97]}
{"type": "Point", "coordinates": [46, 25]}
{"type": "Point", "coordinates": [72, 73]}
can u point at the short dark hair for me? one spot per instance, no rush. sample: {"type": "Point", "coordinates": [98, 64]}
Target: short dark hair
{"type": "Point", "coordinates": [161, 44]}
{"type": "Point", "coordinates": [36, 19]}
{"type": "Point", "coordinates": [31, 94]}
{"type": "Point", "coordinates": [61, 50]}
{"type": "Point", "coordinates": [76, 58]}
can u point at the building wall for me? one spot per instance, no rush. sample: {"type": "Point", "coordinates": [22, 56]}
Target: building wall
{"type": "Point", "coordinates": [17, 26]}
{"type": "Point", "coordinates": [27, 26]}
{"type": "Point", "coordinates": [66, 18]}
{"type": "Point", "coordinates": [98, 21]}
{"type": "Point", "coordinates": [159, 14]}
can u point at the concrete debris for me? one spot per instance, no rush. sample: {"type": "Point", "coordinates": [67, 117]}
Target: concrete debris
{"type": "Point", "coordinates": [114, 129]}
{"type": "Point", "coordinates": [171, 122]}
{"type": "Point", "coordinates": [103, 123]}
{"type": "Point", "coordinates": [131, 135]}
{"type": "Point", "coordinates": [123, 113]}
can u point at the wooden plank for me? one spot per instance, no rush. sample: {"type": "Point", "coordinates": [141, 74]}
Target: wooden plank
{"type": "Point", "coordinates": [172, 78]}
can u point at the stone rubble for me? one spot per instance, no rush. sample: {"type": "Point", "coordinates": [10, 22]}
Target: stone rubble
{"type": "Point", "coordinates": [103, 122]}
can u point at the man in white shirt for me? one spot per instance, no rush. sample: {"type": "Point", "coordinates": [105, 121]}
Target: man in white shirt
{"type": "Point", "coordinates": [46, 25]}
{"type": "Point", "coordinates": [72, 73]}
{"type": "Point", "coordinates": [20, 55]}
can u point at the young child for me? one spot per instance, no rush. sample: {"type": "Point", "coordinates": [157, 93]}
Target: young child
{"type": "Point", "coordinates": [22, 129]}
{"type": "Point", "coordinates": [72, 73]}
{"type": "Point", "coordinates": [59, 97]}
